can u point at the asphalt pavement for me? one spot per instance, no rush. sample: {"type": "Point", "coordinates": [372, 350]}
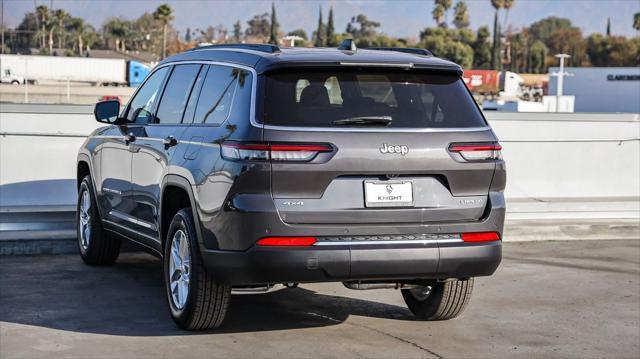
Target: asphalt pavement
{"type": "Point", "coordinates": [578, 299]}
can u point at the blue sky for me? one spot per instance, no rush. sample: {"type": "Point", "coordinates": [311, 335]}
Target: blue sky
{"type": "Point", "coordinates": [403, 18]}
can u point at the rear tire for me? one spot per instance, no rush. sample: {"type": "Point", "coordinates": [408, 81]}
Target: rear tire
{"type": "Point", "coordinates": [96, 247]}
{"type": "Point", "coordinates": [445, 300]}
{"type": "Point", "coordinates": [196, 300]}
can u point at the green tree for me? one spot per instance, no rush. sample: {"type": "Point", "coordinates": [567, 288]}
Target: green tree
{"type": "Point", "coordinates": [636, 21]}
{"type": "Point", "coordinates": [259, 26]}
{"type": "Point", "coordinates": [438, 15]}
{"type": "Point", "coordinates": [362, 29]}
{"type": "Point", "coordinates": [187, 35]}
{"type": "Point", "coordinates": [482, 49]}
{"type": "Point", "coordinates": [537, 57]}
{"type": "Point", "coordinates": [461, 15]}
{"type": "Point", "coordinates": [450, 44]}
{"type": "Point", "coordinates": [83, 33]}
{"type": "Point", "coordinates": [320, 39]}
{"type": "Point", "coordinates": [273, 33]}
{"type": "Point", "coordinates": [519, 52]}
{"type": "Point", "coordinates": [542, 29]}
{"type": "Point", "coordinates": [298, 32]}
{"type": "Point", "coordinates": [613, 50]}
{"type": "Point", "coordinates": [568, 41]}
{"type": "Point", "coordinates": [446, 5]}
{"type": "Point", "coordinates": [116, 30]}
{"type": "Point", "coordinates": [164, 14]}
{"type": "Point", "coordinates": [61, 19]}
{"type": "Point", "coordinates": [331, 31]}
{"type": "Point", "coordinates": [237, 31]}
{"type": "Point", "coordinates": [608, 27]}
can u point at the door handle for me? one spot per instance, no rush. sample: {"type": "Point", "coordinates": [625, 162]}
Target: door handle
{"type": "Point", "coordinates": [129, 137]}
{"type": "Point", "coordinates": [170, 141]}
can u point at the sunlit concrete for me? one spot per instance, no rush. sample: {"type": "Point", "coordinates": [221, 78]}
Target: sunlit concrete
{"type": "Point", "coordinates": [548, 299]}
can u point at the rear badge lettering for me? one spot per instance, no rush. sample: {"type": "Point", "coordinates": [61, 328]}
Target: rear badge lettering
{"type": "Point", "coordinates": [401, 149]}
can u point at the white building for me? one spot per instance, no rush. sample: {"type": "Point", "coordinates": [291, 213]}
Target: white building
{"type": "Point", "coordinates": [601, 89]}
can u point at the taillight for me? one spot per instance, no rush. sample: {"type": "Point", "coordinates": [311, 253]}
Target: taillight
{"type": "Point", "coordinates": [232, 150]}
{"type": "Point", "coordinates": [286, 241]}
{"type": "Point", "coordinates": [474, 152]}
{"type": "Point", "coordinates": [480, 237]}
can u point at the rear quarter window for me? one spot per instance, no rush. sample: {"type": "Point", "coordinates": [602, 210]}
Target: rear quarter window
{"type": "Point", "coordinates": [412, 99]}
{"type": "Point", "coordinates": [217, 94]}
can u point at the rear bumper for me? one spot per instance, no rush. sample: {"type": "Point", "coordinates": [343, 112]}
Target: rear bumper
{"type": "Point", "coordinates": [262, 265]}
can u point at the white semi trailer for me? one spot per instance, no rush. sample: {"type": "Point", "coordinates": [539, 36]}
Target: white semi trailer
{"type": "Point", "coordinates": [97, 71]}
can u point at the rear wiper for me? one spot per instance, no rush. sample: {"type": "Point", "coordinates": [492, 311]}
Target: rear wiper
{"type": "Point", "coordinates": [364, 121]}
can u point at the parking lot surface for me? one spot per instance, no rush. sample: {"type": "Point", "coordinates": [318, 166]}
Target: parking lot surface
{"type": "Point", "coordinates": [548, 299]}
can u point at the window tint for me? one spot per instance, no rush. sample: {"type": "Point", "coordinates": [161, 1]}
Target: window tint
{"type": "Point", "coordinates": [412, 99]}
{"type": "Point", "coordinates": [144, 102]}
{"type": "Point", "coordinates": [378, 88]}
{"type": "Point", "coordinates": [193, 98]}
{"type": "Point", "coordinates": [217, 94]}
{"type": "Point", "coordinates": [331, 84]}
{"type": "Point", "coordinates": [176, 93]}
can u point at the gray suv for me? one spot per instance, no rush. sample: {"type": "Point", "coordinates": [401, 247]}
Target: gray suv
{"type": "Point", "coordinates": [249, 166]}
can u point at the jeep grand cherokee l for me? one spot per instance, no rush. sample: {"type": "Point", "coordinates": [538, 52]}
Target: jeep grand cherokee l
{"type": "Point", "coordinates": [247, 166]}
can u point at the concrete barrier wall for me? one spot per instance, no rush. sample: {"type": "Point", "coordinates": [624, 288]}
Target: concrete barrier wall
{"type": "Point", "coordinates": [558, 165]}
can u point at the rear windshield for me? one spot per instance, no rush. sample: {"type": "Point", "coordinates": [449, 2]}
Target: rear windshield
{"type": "Point", "coordinates": [355, 97]}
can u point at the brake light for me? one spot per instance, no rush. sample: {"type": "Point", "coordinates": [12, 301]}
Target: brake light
{"type": "Point", "coordinates": [286, 241]}
{"type": "Point", "coordinates": [232, 150]}
{"type": "Point", "coordinates": [473, 152]}
{"type": "Point", "coordinates": [480, 237]}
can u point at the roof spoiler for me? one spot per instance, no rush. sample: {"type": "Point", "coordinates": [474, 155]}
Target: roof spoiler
{"type": "Point", "coordinates": [268, 48]}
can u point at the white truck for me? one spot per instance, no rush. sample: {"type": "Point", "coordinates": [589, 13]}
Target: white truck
{"type": "Point", "coordinates": [8, 77]}
{"type": "Point", "coordinates": [97, 71]}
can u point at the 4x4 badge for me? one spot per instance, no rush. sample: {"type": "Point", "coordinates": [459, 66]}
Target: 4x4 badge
{"type": "Point", "coordinates": [401, 149]}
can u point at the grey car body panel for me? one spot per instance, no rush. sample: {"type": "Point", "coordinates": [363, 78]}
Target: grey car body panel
{"type": "Point", "coordinates": [237, 203]}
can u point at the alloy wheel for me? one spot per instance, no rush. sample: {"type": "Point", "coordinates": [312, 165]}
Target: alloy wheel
{"type": "Point", "coordinates": [179, 269]}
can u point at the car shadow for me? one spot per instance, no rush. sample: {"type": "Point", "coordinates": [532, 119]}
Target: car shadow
{"type": "Point", "coordinates": [60, 292]}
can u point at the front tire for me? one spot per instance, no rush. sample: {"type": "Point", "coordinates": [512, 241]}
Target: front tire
{"type": "Point", "coordinates": [196, 300]}
{"type": "Point", "coordinates": [95, 246]}
{"type": "Point", "coordinates": [440, 301]}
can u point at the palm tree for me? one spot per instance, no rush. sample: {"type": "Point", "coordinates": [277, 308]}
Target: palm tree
{"type": "Point", "coordinates": [438, 14]}
{"type": "Point", "coordinates": [61, 17]}
{"type": "Point", "coordinates": [82, 32]}
{"type": "Point", "coordinates": [636, 21]}
{"type": "Point", "coordinates": [461, 15]}
{"type": "Point", "coordinates": [507, 5]}
{"type": "Point", "coordinates": [42, 15]}
{"type": "Point", "coordinates": [446, 5]}
{"type": "Point", "coordinates": [164, 14]}
{"type": "Point", "coordinates": [495, 55]}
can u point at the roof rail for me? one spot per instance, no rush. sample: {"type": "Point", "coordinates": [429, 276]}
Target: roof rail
{"type": "Point", "coordinates": [268, 48]}
{"type": "Point", "coordinates": [408, 50]}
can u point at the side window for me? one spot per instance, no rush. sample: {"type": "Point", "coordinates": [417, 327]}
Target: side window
{"type": "Point", "coordinates": [193, 98]}
{"type": "Point", "coordinates": [378, 88]}
{"type": "Point", "coordinates": [176, 93]}
{"type": "Point", "coordinates": [141, 108]}
{"type": "Point", "coordinates": [217, 94]}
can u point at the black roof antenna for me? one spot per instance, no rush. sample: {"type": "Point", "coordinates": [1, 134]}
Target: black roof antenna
{"type": "Point", "coordinates": [348, 45]}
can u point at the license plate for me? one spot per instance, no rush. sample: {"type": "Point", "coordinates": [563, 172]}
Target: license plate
{"type": "Point", "coordinates": [388, 193]}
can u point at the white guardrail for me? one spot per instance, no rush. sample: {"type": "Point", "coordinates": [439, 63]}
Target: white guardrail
{"type": "Point", "coordinates": [559, 165]}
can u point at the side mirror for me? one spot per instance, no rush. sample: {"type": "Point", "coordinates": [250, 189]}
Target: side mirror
{"type": "Point", "coordinates": [107, 112]}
